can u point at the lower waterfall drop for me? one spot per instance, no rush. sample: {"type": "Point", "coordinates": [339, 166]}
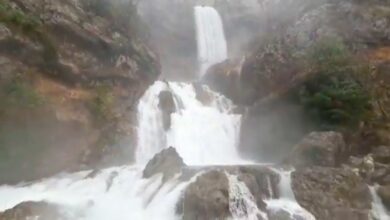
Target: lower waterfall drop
{"type": "Point", "coordinates": [242, 203]}
{"type": "Point", "coordinates": [379, 211]}
{"type": "Point", "coordinates": [287, 204]}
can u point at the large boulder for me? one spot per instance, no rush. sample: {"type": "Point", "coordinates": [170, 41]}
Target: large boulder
{"type": "Point", "coordinates": [167, 107]}
{"type": "Point", "coordinates": [168, 162]}
{"type": "Point", "coordinates": [332, 193]}
{"type": "Point", "coordinates": [31, 210]}
{"type": "Point", "coordinates": [319, 149]}
{"type": "Point", "coordinates": [206, 198]}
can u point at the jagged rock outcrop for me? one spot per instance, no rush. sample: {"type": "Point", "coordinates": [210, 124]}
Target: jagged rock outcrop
{"type": "Point", "coordinates": [319, 149]}
{"type": "Point", "coordinates": [168, 163]}
{"type": "Point", "coordinates": [31, 210]}
{"type": "Point", "coordinates": [332, 193]}
{"type": "Point", "coordinates": [167, 107]}
{"type": "Point", "coordinates": [75, 70]}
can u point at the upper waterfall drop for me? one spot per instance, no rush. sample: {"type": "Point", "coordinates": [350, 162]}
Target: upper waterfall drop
{"type": "Point", "coordinates": [212, 46]}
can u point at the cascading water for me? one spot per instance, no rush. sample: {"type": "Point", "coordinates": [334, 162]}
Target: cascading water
{"type": "Point", "coordinates": [379, 211]}
{"type": "Point", "coordinates": [242, 204]}
{"type": "Point", "coordinates": [108, 195]}
{"type": "Point", "coordinates": [287, 202]}
{"type": "Point", "coordinates": [203, 133]}
{"type": "Point", "coordinates": [211, 39]}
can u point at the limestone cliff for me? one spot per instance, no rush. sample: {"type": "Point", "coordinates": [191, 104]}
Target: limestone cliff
{"type": "Point", "coordinates": [71, 74]}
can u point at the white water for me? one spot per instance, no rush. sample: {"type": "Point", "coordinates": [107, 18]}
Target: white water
{"type": "Point", "coordinates": [379, 211]}
{"type": "Point", "coordinates": [287, 202]}
{"type": "Point", "coordinates": [128, 197]}
{"type": "Point", "coordinates": [212, 47]}
{"type": "Point", "coordinates": [202, 134]}
{"type": "Point", "coordinates": [242, 203]}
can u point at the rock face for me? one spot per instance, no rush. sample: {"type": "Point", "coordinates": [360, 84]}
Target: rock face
{"type": "Point", "coordinates": [167, 107]}
{"type": "Point", "coordinates": [31, 210]}
{"type": "Point", "coordinates": [224, 78]}
{"type": "Point", "coordinates": [381, 154]}
{"type": "Point", "coordinates": [319, 149]}
{"type": "Point", "coordinates": [207, 198]}
{"type": "Point", "coordinates": [384, 193]}
{"type": "Point", "coordinates": [75, 70]}
{"type": "Point", "coordinates": [332, 193]}
{"type": "Point", "coordinates": [168, 162]}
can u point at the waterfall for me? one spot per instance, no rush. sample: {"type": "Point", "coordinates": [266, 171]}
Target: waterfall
{"type": "Point", "coordinates": [203, 134]}
{"type": "Point", "coordinates": [379, 211]}
{"type": "Point", "coordinates": [242, 203]}
{"type": "Point", "coordinates": [212, 47]}
{"type": "Point", "coordinates": [150, 132]}
{"type": "Point", "coordinates": [287, 203]}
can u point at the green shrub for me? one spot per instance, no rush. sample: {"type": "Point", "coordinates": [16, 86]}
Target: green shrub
{"type": "Point", "coordinates": [334, 96]}
{"type": "Point", "coordinates": [19, 94]}
{"type": "Point", "coordinates": [17, 18]}
{"type": "Point", "coordinates": [102, 104]}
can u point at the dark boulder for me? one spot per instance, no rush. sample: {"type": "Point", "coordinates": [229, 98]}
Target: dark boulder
{"type": "Point", "coordinates": [167, 107]}
{"type": "Point", "coordinates": [202, 94]}
{"type": "Point", "coordinates": [168, 162]}
{"type": "Point", "coordinates": [319, 149]}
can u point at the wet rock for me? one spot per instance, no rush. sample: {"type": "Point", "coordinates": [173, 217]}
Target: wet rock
{"type": "Point", "coordinates": [224, 78]}
{"type": "Point", "coordinates": [332, 193]}
{"type": "Point", "coordinates": [167, 106]}
{"type": "Point", "coordinates": [31, 210]}
{"type": "Point", "coordinates": [206, 198]}
{"type": "Point", "coordinates": [381, 154]}
{"type": "Point", "coordinates": [319, 149]}
{"type": "Point", "coordinates": [384, 193]}
{"type": "Point", "coordinates": [262, 183]}
{"type": "Point", "coordinates": [168, 162]}
{"type": "Point", "coordinates": [364, 166]}
{"type": "Point", "coordinates": [282, 214]}
{"type": "Point", "coordinates": [202, 94]}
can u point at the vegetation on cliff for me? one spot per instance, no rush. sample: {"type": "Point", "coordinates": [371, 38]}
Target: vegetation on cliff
{"type": "Point", "coordinates": [334, 94]}
{"type": "Point", "coordinates": [71, 70]}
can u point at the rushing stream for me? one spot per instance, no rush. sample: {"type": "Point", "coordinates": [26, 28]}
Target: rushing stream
{"type": "Point", "coordinates": [203, 133]}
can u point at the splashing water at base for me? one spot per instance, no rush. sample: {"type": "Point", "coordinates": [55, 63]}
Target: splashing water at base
{"type": "Point", "coordinates": [82, 198]}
